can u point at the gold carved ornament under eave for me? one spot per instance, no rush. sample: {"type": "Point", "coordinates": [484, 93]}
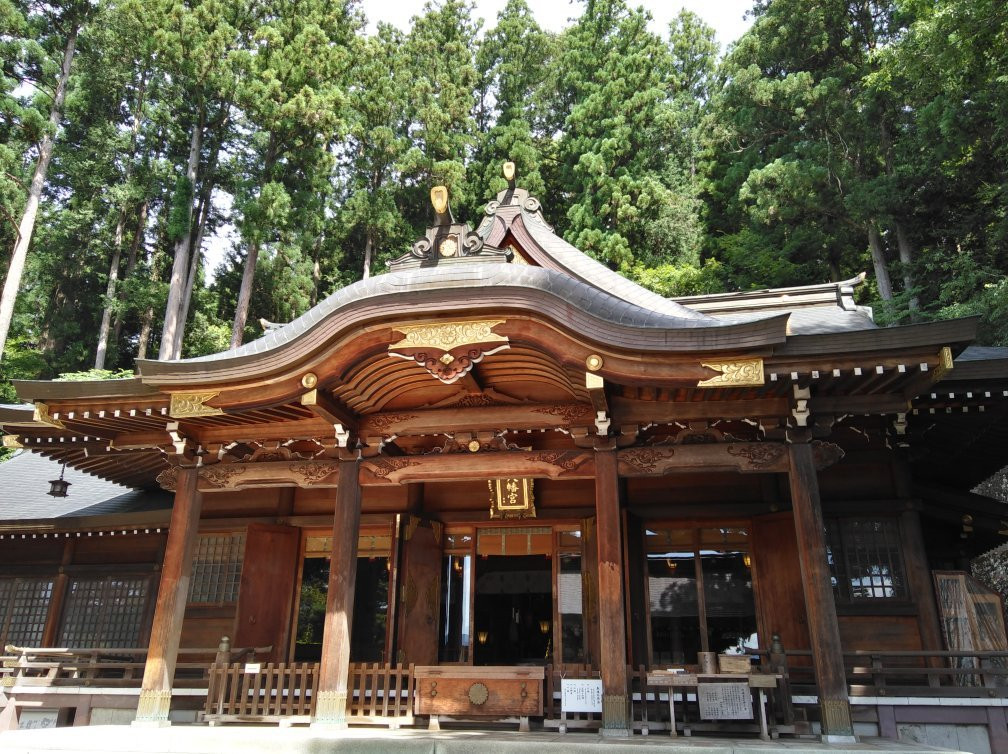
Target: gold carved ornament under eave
{"type": "Point", "coordinates": [43, 416]}
{"type": "Point", "coordinates": [449, 350]}
{"type": "Point", "coordinates": [11, 441]}
{"type": "Point", "coordinates": [735, 373]}
{"type": "Point", "coordinates": [188, 405]}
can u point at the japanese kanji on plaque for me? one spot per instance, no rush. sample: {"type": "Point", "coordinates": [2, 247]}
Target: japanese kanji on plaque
{"type": "Point", "coordinates": [725, 701]}
{"type": "Point", "coordinates": [580, 695]}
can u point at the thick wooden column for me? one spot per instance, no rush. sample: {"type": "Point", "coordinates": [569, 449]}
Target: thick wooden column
{"type": "Point", "coordinates": [920, 583]}
{"type": "Point", "coordinates": [827, 653]}
{"type": "Point", "coordinates": [612, 630]}
{"type": "Point", "coordinates": [330, 709]}
{"type": "Point", "coordinates": [169, 611]}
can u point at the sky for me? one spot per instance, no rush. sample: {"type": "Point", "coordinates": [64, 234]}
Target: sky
{"type": "Point", "coordinates": [726, 16]}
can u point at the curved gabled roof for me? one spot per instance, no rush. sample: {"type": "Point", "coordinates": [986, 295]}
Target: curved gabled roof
{"type": "Point", "coordinates": [517, 213]}
{"type": "Point", "coordinates": [487, 288]}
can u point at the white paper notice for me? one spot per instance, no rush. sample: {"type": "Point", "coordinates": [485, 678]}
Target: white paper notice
{"type": "Point", "coordinates": [581, 695]}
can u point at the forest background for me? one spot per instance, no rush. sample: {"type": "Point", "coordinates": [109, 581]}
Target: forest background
{"type": "Point", "coordinates": [835, 136]}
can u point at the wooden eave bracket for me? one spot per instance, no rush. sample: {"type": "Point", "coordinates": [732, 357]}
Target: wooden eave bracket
{"type": "Point", "coordinates": [181, 444]}
{"type": "Point", "coordinates": [596, 391]}
{"type": "Point", "coordinates": [343, 420]}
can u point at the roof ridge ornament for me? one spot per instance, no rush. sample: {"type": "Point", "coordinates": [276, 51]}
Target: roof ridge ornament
{"type": "Point", "coordinates": [446, 241]}
{"type": "Point", "coordinates": [513, 196]}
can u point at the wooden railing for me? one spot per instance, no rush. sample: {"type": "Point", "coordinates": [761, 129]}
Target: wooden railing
{"type": "Point", "coordinates": [272, 692]}
{"type": "Point", "coordinates": [381, 694]}
{"type": "Point", "coordinates": [285, 693]}
{"type": "Point", "coordinates": [100, 666]}
{"type": "Point", "coordinates": [906, 673]}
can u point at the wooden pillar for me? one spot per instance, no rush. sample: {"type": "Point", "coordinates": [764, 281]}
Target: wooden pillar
{"type": "Point", "coordinates": [612, 629]}
{"type": "Point", "coordinates": [920, 583]}
{"type": "Point", "coordinates": [51, 633]}
{"type": "Point", "coordinates": [169, 611]}
{"type": "Point", "coordinates": [827, 653]}
{"type": "Point", "coordinates": [330, 709]}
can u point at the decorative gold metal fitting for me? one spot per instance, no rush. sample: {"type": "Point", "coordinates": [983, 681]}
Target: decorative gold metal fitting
{"type": "Point", "coordinates": [43, 416]}
{"type": "Point", "coordinates": [187, 405]}
{"type": "Point", "coordinates": [509, 170]}
{"type": "Point", "coordinates": [945, 364]}
{"type": "Point", "coordinates": [594, 362]}
{"type": "Point", "coordinates": [309, 380]}
{"type": "Point", "coordinates": [448, 335]}
{"type": "Point", "coordinates": [737, 373]}
{"type": "Point", "coordinates": [11, 441]}
{"type": "Point", "coordinates": [439, 198]}
{"type": "Point", "coordinates": [474, 446]}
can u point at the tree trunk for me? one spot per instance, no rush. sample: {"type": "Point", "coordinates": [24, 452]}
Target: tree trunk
{"type": "Point", "coordinates": [244, 295]}
{"type": "Point", "coordinates": [131, 262]}
{"type": "Point", "coordinates": [146, 326]}
{"type": "Point", "coordinates": [113, 279]}
{"type": "Point", "coordinates": [194, 260]}
{"type": "Point", "coordinates": [27, 225]}
{"type": "Point", "coordinates": [180, 263]}
{"type": "Point", "coordinates": [368, 250]}
{"type": "Point", "coordinates": [906, 260]}
{"type": "Point", "coordinates": [248, 275]}
{"type": "Point", "coordinates": [878, 260]}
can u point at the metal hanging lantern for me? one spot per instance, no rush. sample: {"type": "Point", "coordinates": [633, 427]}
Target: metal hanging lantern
{"type": "Point", "coordinates": [58, 487]}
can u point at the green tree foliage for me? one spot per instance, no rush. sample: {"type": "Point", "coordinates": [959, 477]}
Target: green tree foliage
{"type": "Point", "coordinates": [613, 146]}
{"type": "Point", "coordinates": [511, 60]}
{"type": "Point", "coordinates": [372, 225]}
{"type": "Point", "coordinates": [836, 136]}
{"type": "Point", "coordinates": [441, 101]}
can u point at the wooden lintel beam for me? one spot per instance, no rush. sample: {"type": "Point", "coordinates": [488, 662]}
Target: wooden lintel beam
{"type": "Point", "coordinates": [629, 411]}
{"type": "Point", "coordinates": [742, 457]}
{"type": "Point", "coordinates": [327, 408]}
{"type": "Point", "coordinates": [476, 419]}
{"type": "Point", "coordinates": [552, 464]}
{"type": "Point", "coordinates": [859, 404]}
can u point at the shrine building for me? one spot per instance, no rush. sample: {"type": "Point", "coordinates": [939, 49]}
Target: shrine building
{"type": "Point", "coordinates": [447, 488]}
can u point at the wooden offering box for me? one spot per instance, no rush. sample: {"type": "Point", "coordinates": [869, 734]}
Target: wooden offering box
{"type": "Point", "coordinates": [490, 691]}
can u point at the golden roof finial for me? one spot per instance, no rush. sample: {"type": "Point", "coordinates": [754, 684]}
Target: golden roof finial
{"type": "Point", "coordinates": [509, 173]}
{"type": "Point", "coordinates": [439, 198]}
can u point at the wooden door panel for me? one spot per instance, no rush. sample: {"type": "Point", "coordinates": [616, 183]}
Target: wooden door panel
{"type": "Point", "coordinates": [266, 592]}
{"type": "Point", "coordinates": [420, 591]}
{"type": "Point", "coordinates": [589, 576]}
{"type": "Point", "coordinates": [780, 600]}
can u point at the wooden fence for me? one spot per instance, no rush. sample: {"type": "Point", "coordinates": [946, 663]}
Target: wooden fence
{"type": "Point", "coordinates": [271, 692]}
{"type": "Point", "coordinates": [381, 694]}
{"type": "Point", "coordinates": [285, 693]}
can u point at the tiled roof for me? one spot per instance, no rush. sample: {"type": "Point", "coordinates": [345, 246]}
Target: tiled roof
{"type": "Point", "coordinates": [603, 304]}
{"type": "Point", "coordinates": [25, 477]}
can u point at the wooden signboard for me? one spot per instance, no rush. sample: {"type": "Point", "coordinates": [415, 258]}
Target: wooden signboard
{"type": "Point", "coordinates": [489, 691]}
{"type": "Point", "coordinates": [725, 701]}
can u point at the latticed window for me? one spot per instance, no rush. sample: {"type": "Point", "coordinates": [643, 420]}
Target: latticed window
{"type": "Point", "coordinates": [104, 611]}
{"type": "Point", "coordinates": [865, 559]}
{"type": "Point", "coordinates": [24, 605]}
{"type": "Point", "coordinates": [216, 569]}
